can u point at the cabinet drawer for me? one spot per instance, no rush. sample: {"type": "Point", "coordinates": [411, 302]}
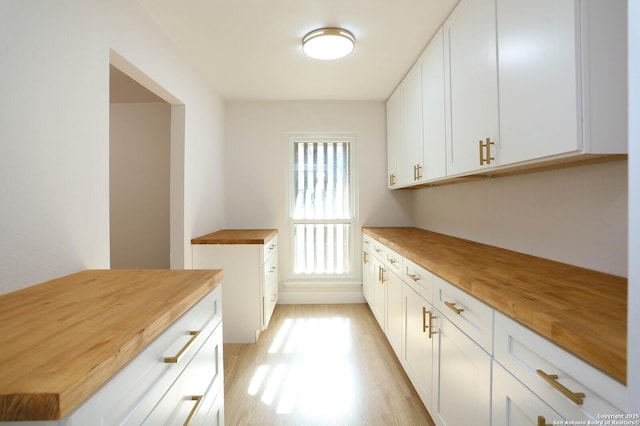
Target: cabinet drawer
{"type": "Point", "coordinates": [186, 395]}
{"type": "Point", "coordinates": [141, 383]}
{"type": "Point", "coordinates": [468, 313]}
{"type": "Point", "coordinates": [270, 249]}
{"type": "Point", "coordinates": [530, 357]}
{"type": "Point", "coordinates": [418, 278]}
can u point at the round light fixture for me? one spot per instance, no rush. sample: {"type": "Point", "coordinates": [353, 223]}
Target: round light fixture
{"type": "Point", "coordinates": [328, 43]}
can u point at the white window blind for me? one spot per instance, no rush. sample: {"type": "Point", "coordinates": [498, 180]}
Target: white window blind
{"type": "Point", "coordinates": [322, 211]}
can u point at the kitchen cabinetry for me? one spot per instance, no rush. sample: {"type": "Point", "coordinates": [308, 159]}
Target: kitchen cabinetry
{"type": "Point", "coordinates": [394, 138]}
{"type": "Point", "coordinates": [462, 378]}
{"type": "Point", "coordinates": [472, 87]}
{"type": "Point", "coordinates": [367, 276]}
{"type": "Point", "coordinates": [527, 84]}
{"type": "Point", "coordinates": [249, 258]}
{"type": "Point", "coordinates": [459, 351]}
{"type": "Point", "coordinates": [562, 78]}
{"type": "Point", "coordinates": [137, 346]}
{"type": "Point", "coordinates": [568, 385]}
{"type": "Point", "coordinates": [418, 336]}
{"type": "Point", "coordinates": [513, 404]}
{"type": "Point", "coordinates": [412, 137]}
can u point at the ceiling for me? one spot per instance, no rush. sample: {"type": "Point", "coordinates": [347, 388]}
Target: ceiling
{"type": "Point", "coordinates": [251, 49]}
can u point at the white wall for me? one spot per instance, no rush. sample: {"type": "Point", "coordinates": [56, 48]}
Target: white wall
{"type": "Point", "coordinates": [574, 215]}
{"type": "Point", "coordinates": [54, 133]}
{"type": "Point", "coordinates": [139, 164]}
{"type": "Point", "coordinates": [256, 157]}
{"type": "Point", "coordinates": [633, 353]}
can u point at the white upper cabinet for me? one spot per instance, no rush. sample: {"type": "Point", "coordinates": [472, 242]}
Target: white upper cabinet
{"type": "Point", "coordinates": [472, 81]}
{"type": "Point", "coordinates": [394, 138]}
{"type": "Point", "coordinates": [433, 116]}
{"type": "Point", "coordinates": [412, 151]}
{"type": "Point", "coordinates": [562, 78]}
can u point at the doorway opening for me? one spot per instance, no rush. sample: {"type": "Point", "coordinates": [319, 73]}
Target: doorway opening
{"type": "Point", "coordinates": [146, 146]}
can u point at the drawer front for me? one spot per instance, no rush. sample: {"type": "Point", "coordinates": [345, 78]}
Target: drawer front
{"type": "Point", "coordinates": [143, 381]}
{"type": "Point", "coordinates": [419, 279]}
{"type": "Point", "coordinates": [184, 399]}
{"type": "Point", "coordinates": [393, 261]}
{"type": "Point", "coordinates": [570, 386]}
{"type": "Point", "coordinates": [367, 243]}
{"type": "Point", "coordinates": [270, 249]}
{"type": "Point", "coordinates": [468, 313]}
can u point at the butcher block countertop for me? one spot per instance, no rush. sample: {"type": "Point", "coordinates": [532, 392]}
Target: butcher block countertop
{"type": "Point", "coordinates": [62, 339]}
{"type": "Point", "coordinates": [237, 236]}
{"type": "Point", "coordinates": [580, 310]}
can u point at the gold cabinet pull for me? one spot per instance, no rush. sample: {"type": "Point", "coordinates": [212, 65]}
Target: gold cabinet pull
{"type": "Point", "coordinates": [430, 324]}
{"type": "Point", "coordinates": [424, 320]}
{"type": "Point", "coordinates": [392, 179]}
{"type": "Point", "coordinates": [382, 274]}
{"type": "Point", "coordinates": [272, 246]}
{"type": "Point", "coordinates": [364, 257]}
{"type": "Point", "coordinates": [482, 146]}
{"type": "Point", "coordinates": [274, 297]}
{"type": "Point", "coordinates": [194, 410]}
{"type": "Point", "coordinates": [415, 172]}
{"type": "Point", "coordinates": [392, 260]}
{"type": "Point", "coordinates": [419, 172]}
{"type": "Point", "coordinates": [176, 359]}
{"type": "Point", "coordinates": [452, 306]}
{"type": "Point", "coordinates": [414, 277]}
{"type": "Point", "coordinates": [542, 421]}
{"type": "Point", "coordinates": [552, 379]}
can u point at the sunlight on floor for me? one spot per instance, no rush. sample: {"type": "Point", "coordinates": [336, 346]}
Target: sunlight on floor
{"type": "Point", "coordinates": [318, 377]}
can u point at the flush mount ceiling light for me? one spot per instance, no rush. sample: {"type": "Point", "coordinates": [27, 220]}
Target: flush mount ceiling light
{"type": "Point", "coordinates": [328, 43]}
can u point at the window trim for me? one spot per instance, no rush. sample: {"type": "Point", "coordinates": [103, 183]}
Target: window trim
{"type": "Point", "coordinates": [353, 197]}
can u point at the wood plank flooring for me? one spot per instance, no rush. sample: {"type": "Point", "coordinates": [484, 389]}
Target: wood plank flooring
{"type": "Point", "coordinates": [319, 365]}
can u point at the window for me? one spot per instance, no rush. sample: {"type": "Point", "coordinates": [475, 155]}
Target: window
{"type": "Point", "coordinates": [322, 205]}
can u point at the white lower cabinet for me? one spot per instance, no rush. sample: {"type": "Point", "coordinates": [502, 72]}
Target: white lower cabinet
{"type": "Point", "coordinates": [462, 378]}
{"type": "Point", "coordinates": [513, 404]}
{"type": "Point", "coordinates": [250, 292]}
{"type": "Point", "coordinates": [420, 343]}
{"type": "Point", "coordinates": [367, 276]}
{"type": "Point", "coordinates": [567, 384]}
{"type": "Point", "coordinates": [472, 365]}
{"type": "Point", "coordinates": [179, 374]}
{"type": "Point", "coordinates": [394, 311]}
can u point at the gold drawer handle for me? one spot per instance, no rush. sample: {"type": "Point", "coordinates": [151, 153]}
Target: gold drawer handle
{"type": "Point", "coordinates": [176, 359]}
{"type": "Point", "coordinates": [272, 246]}
{"type": "Point", "coordinates": [392, 260]}
{"type": "Point", "coordinates": [272, 269]}
{"type": "Point", "coordinates": [194, 410]}
{"type": "Point", "coordinates": [414, 277]}
{"type": "Point", "coordinates": [365, 260]}
{"type": "Point", "coordinates": [542, 421]}
{"type": "Point", "coordinates": [452, 306]}
{"type": "Point", "coordinates": [552, 379]}
{"type": "Point", "coordinates": [274, 297]}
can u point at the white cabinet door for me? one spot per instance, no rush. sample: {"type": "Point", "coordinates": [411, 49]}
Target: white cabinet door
{"type": "Point", "coordinates": [367, 276]}
{"type": "Point", "coordinates": [472, 80]}
{"type": "Point", "coordinates": [513, 404]}
{"type": "Point", "coordinates": [463, 379]}
{"type": "Point", "coordinates": [418, 344]}
{"type": "Point", "coordinates": [379, 293]}
{"type": "Point", "coordinates": [412, 153]}
{"type": "Point", "coordinates": [394, 138]}
{"type": "Point", "coordinates": [540, 111]}
{"type": "Point", "coordinates": [433, 116]}
{"type": "Point", "coordinates": [393, 330]}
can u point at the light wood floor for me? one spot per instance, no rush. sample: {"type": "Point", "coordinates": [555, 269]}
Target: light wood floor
{"type": "Point", "coordinates": [319, 365]}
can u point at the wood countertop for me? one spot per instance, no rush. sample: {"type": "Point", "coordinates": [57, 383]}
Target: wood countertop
{"type": "Point", "coordinates": [237, 236]}
{"type": "Point", "coordinates": [62, 339]}
{"type": "Point", "coordinates": [580, 310]}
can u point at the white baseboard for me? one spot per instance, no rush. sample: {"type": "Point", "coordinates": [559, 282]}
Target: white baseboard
{"type": "Point", "coordinates": [320, 297]}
